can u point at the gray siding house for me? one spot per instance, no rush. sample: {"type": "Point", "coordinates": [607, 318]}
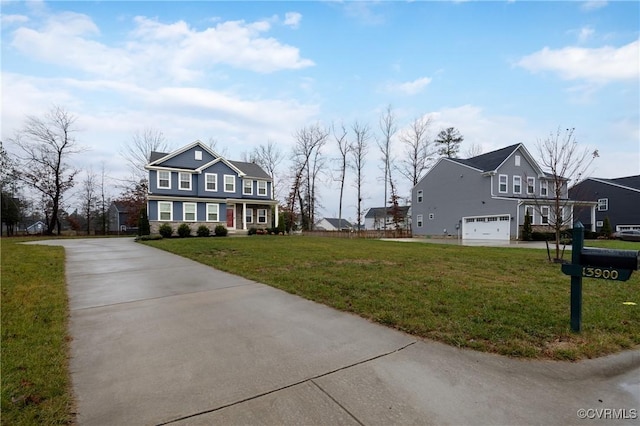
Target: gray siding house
{"type": "Point", "coordinates": [618, 199]}
{"type": "Point", "coordinates": [485, 197]}
{"type": "Point", "coordinates": [194, 185]}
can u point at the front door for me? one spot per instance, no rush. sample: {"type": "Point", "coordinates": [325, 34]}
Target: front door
{"type": "Point", "coordinates": [231, 216]}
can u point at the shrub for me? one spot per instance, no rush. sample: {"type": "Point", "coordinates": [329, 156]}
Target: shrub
{"type": "Point", "coordinates": [203, 231]}
{"type": "Point", "coordinates": [606, 227]}
{"type": "Point", "coordinates": [150, 237]}
{"type": "Point", "coordinates": [143, 223]}
{"type": "Point", "coordinates": [184, 230]}
{"type": "Point", "coordinates": [253, 230]}
{"type": "Point", "coordinates": [220, 231]}
{"type": "Point", "coordinates": [165, 230]}
{"type": "Point", "coordinates": [526, 228]}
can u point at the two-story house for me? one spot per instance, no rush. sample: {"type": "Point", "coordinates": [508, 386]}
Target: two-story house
{"type": "Point", "coordinates": [487, 197]}
{"type": "Point", "coordinates": [194, 185]}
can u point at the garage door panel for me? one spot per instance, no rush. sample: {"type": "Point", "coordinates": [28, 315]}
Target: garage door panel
{"type": "Point", "coordinates": [495, 227]}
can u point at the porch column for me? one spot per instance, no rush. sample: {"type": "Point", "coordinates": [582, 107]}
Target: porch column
{"type": "Point", "coordinates": [593, 218]}
{"type": "Point", "coordinates": [244, 216]}
{"type": "Point", "coordinates": [277, 217]}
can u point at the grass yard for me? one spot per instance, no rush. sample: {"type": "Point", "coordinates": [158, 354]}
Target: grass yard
{"type": "Point", "coordinates": [503, 300]}
{"type": "Point", "coordinates": [36, 387]}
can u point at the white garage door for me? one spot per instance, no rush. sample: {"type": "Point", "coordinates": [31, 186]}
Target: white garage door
{"type": "Point", "coordinates": [486, 227]}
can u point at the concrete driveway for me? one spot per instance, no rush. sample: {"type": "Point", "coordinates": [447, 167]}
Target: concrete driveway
{"type": "Point", "coordinates": [158, 339]}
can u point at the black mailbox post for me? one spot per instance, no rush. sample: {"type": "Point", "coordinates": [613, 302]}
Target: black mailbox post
{"type": "Point", "coordinates": [591, 262]}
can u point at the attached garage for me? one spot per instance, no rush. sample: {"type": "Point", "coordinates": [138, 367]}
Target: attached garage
{"type": "Point", "coordinates": [495, 227]}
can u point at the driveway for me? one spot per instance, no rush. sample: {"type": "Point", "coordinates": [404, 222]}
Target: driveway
{"type": "Point", "coordinates": [158, 339]}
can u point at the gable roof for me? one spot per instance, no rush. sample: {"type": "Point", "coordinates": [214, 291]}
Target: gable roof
{"type": "Point", "coordinates": [631, 183]}
{"type": "Point", "coordinates": [251, 169]}
{"type": "Point", "coordinates": [155, 157]}
{"type": "Point", "coordinates": [381, 211]}
{"type": "Point", "coordinates": [335, 222]}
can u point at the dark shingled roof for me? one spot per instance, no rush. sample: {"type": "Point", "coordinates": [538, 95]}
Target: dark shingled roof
{"type": "Point", "coordinates": [380, 211]}
{"type": "Point", "coordinates": [489, 161]}
{"type": "Point", "coordinates": [628, 181]}
{"type": "Point", "coordinates": [251, 169]}
{"type": "Point", "coordinates": [156, 156]}
{"type": "Point", "coordinates": [334, 222]}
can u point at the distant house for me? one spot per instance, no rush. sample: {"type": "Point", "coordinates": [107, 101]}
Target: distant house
{"type": "Point", "coordinates": [119, 218]}
{"type": "Point", "coordinates": [197, 186]}
{"type": "Point", "coordinates": [376, 218]}
{"type": "Point", "coordinates": [488, 196]}
{"type": "Point", "coordinates": [618, 199]}
{"type": "Point", "coordinates": [35, 228]}
{"type": "Point", "coordinates": [334, 224]}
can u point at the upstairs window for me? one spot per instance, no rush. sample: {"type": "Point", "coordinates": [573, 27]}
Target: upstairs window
{"type": "Point", "coordinates": [503, 185]}
{"type": "Point", "coordinates": [229, 183]}
{"type": "Point", "coordinates": [517, 160]}
{"type": "Point", "coordinates": [544, 188]}
{"type": "Point", "coordinates": [211, 182]}
{"type": "Point", "coordinates": [164, 179]}
{"type": "Point", "coordinates": [198, 155]}
{"type": "Point", "coordinates": [517, 184]}
{"type": "Point", "coordinates": [531, 185]}
{"type": "Point", "coordinates": [603, 204]}
{"type": "Point", "coordinates": [262, 187]}
{"type": "Point", "coordinates": [247, 187]}
{"type": "Point", "coordinates": [185, 181]}
{"type": "Point", "coordinates": [420, 196]}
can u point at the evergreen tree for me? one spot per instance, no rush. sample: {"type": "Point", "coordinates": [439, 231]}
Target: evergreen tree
{"type": "Point", "coordinates": [143, 222]}
{"type": "Point", "coordinates": [448, 142]}
{"type": "Point", "coordinates": [527, 232]}
{"type": "Point", "coordinates": [606, 227]}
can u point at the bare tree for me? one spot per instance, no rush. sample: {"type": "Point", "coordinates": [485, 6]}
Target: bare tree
{"type": "Point", "coordinates": [213, 144]}
{"type": "Point", "coordinates": [103, 201]}
{"type": "Point", "coordinates": [388, 128]}
{"type": "Point", "coordinates": [343, 146]}
{"type": "Point", "coordinates": [418, 154]}
{"type": "Point", "coordinates": [46, 143]}
{"type": "Point", "coordinates": [560, 154]}
{"type": "Point", "coordinates": [448, 141]}
{"type": "Point", "coordinates": [306, 166]}
{"type": "Point", "coordinates": [89, 197]}
{"type": "Point", "coordinates": [359, 149]}
{"type": "Point", "coordinates": [473, 151]}
{"type": "Point", "coordinates": [136, 154]}
{"type": "Point", "coordinates": [269, 157]}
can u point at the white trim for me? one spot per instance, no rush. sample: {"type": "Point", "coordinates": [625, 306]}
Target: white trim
{"type": "Point", "coordinates": [420, 220]}
{"type": "Point", "coordinates": [180, 175]}
{"type": "Point", "coordinates": [604, 203]}
{"type": "Point", "coordinates": [519, 184]}
{"type": "Point", "coordinates": [543, 215]}
{"type": "Point", "coordinates": [184, 149]}
{"type": "Point", "coordinates": [266, 216]}
{"type": "Point", "coordinates": [533, 185]}
{"type": "Point", "coordinates": [599, 180]}
{"type": "Point", "coordinates": [224, 182]}
{"type": "Point", "coordinates": [420, 196]}
{"type": "Point", "coordinates": [215, 182]}
{"type": "Point", "coordinates": [160, 203]}
{"type": "Point", "coordinates": [158, 179]}
{"type": "Point", "coordinates": [506, 184]}
{"type": "Point", "coordinates": [244, 187]}
{"type": "Point", "coordinates": [184, 212]}
{"type": "Point", "coordinates": [217, 212]}
{"type": "Point", "coordinates": [198, 155]}
{"type": "Point", "coordinates": [517, 160]}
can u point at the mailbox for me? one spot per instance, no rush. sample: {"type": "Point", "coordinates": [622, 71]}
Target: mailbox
{"type": "Point", "coordinates": [608, 258]}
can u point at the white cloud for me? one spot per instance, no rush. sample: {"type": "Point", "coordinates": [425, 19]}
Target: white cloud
{"type": "Point", "coordinates": [585, 33]}
{"type": "Point", "coordinates": [601, 65]}
{"type": "Point", "coordinates": [410, 87]}
{"type": "Point", "coordinates": [292, 19]}
{"type": "Point", "coordinates": [590, 5]}
{"type": "Point", "coordinates": [12, 19]}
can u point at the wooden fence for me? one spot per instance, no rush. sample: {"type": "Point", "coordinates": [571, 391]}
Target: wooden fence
{"type": "Point", "coordinates": [399, 233]}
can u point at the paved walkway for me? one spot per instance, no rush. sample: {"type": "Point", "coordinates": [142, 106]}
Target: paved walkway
{"type": "Point", "coordinates": [158, 339]}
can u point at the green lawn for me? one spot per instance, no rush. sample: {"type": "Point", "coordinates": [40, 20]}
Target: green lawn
{"type": "Point", "coordinates": [35, 378]}
{"type": "Point", "coordinates": [503, 300]}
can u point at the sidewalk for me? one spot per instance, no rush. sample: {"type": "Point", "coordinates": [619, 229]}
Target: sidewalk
{"type": "Point", "coordinates": [158, 339]}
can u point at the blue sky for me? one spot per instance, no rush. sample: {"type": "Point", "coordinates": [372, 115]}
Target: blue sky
{"type": "Point", "coordinates": [247, 72]}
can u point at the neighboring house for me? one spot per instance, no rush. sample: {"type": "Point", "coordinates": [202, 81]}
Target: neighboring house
{"type": "Point", "coordinates": [618, 199]}
{"type": "Point", "coordinates": [194, 185]}
{"type": "Point", "coordinates": [35, 228]}
{"type": "Point", "coordinates": [118, 215]}
{"type": "Point", "coordinates": [334, 224]}
{"type": "Point", "coordinates": [485, 197]}
{"type": "Point", "coordinates": [377, 216]}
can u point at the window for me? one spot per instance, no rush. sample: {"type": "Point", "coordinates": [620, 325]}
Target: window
{"type": "Point", "coordinates": [262, 187]}
{"type": "Point", "coordinates": [420, 196]}
{"type": "Point", "coordinates": [262, 215]}
{"type": "Point", "coordinates": [544, 212]}
{"type": "Point", "coordinates": [165, 210]}
{"type": "Point", "coordinates": [247, 187]}
{"type": "Point", "coordinates": [164, 179]}
{"type": "Point", "coordinates": [603, 204]}
{"type": "Point", "coordinates": [517, 184]}
{"type": "Point", "coordinates": [517, 160]}
{"type": "Point", "coordinates": [420, 221]}
{"type": "Point", "coordinates": [189, 212]}
{"type": "Point", "coordinates": [470, 220]}
{"type": "Point", "coordinates": [531, 185]}
{"type": "Point", "coordinates": [530, 211]}
{"type": "Point", "coordinates": [249, 216]}
{"type": "Point", "coordinates": [432, 216]}
{"type": "Point", "coordinates": [502, 180]}
{"type": "Point", "coordinates": [185, 181]}
{"type": "Point", "coordinates": [229, 183]}
{"type": "Point", "coordinates": [544, 188]}
{"type": "Point", "coordinates": [199, 155]}
{"type": "Point", "coordinates": [504, 218]}
{"type": "Point", "coordinates": [212, 212]}
{"type": "Point", "coordinates": [492, 219]}
{"type": "Point", "coordinates": [599, 223]}
{"type": "Point", "coordinates": [211, 182]}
